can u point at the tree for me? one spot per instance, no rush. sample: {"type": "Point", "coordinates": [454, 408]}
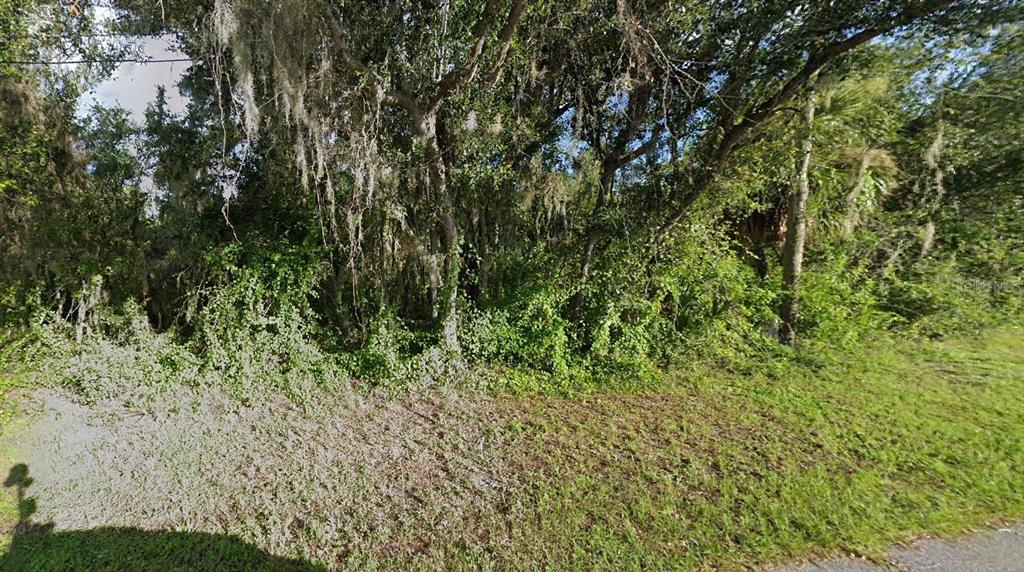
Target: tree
{"type": "Point", "coordinates": [796, 229]}
{"type": "Point", "coordinates": [417, 86]}
{"type": "Point", "coordinates": [481, 156]}
{"type": "Point", "coordinates": [752, 93]}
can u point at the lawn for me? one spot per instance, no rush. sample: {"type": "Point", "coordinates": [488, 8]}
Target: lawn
{"type": "Point", "coordinates": [715, 469]}
{"type": "Point", "coordinates": [728, 470]}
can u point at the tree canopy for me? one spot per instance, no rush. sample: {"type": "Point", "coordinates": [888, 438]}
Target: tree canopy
{"type": "Point", "coordinates": [563, 186]}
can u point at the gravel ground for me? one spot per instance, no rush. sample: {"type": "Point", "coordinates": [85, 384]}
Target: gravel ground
{"type": "Point", "coordinates": [999, 550]}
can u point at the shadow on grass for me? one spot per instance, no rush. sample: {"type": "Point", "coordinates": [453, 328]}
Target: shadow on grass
{"type": "Point", "coordinates": [36, 547]}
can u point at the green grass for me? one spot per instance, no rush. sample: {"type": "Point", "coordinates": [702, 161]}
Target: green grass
{"type": "Point", "coordinates": [848, 451]}
{"type": "Point", "coordinates": [8, 500]}
{"type": "Point", "coordinates": [728, 471]}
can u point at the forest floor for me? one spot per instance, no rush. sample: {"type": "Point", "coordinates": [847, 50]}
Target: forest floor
{"type": "Point", "coordinates": [721, 470]}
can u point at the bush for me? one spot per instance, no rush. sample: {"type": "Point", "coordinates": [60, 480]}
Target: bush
{"type": "Point", "coordinates": [698, 298]}
{"type": "Point", "coordinates": [121, 358]}
{"type": "Point", "coordinates": [934, 298]}
{"type": "Point", "coordinates": [838, 303]}
{"type": "Point", "coordinates": [255, 327]}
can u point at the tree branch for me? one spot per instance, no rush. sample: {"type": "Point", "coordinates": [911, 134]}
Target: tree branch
{"type": "Point", "coordinates": [459, 76]}
{"type": "Point", "coordinates": [643, 149]}
{"type": "Point", "coordinates": [636, 108]}
{"type": "Point", "coordinates": [392, 97]}
{"type": "Point", "coordinates": [505, 41]}
{"type": "Point", "coordinates": [734, 131]}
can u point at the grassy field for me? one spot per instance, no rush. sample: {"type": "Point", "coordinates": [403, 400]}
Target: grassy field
{"type": "Point", "coordinates": [725, 471]}
{"type": "Point", "coordinates": [713, 470]}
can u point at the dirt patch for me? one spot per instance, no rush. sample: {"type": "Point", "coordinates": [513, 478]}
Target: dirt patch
{"type": "Point", "coordinates": [345, 478]}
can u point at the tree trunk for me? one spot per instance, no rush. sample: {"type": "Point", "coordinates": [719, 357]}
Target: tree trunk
{"type": "Point", "coordinates": [933, 158]}
{"type": "Point", "coordinates": [450, 278]}
{"type": "Point", "coordinates": [793, 251]}
{"type": "Point", "coordinates": [604, 190]}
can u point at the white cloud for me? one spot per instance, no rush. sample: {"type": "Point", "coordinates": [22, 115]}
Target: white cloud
{"type": "Point", "coordinates": [134, 86]}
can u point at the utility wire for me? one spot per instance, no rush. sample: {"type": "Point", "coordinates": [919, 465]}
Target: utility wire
{"type": "Point", "coordinates": [73, 35]}
{"type": "Point", "coordinates": [113, 61]}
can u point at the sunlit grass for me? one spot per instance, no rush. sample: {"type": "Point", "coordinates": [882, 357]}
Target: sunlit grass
{"type": "Point", "coordinates": [846, 451]}
{"type": "Point", "coordinates": [729, 470]}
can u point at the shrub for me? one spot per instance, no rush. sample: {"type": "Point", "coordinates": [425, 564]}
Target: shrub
{"type": "Point", "coordinates": [838, 303]}
{"type": "Point", "coordinates": [121, 358]}
{"type": "Point", "coordinates": [934, 298]}
{"type": "Point", "coordinates": [255, 327]}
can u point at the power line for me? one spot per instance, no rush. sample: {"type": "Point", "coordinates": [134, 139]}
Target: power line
{"type": "Point", "coordinates": [73, 35]}
{"type": "Point", "coordinates": [111, 61]}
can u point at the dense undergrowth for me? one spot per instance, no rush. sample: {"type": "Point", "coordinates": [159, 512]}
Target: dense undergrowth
{"type": "Point", "coordinates": [256, 333]}
{"type": "Point", "coordinates": [256, 327]}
